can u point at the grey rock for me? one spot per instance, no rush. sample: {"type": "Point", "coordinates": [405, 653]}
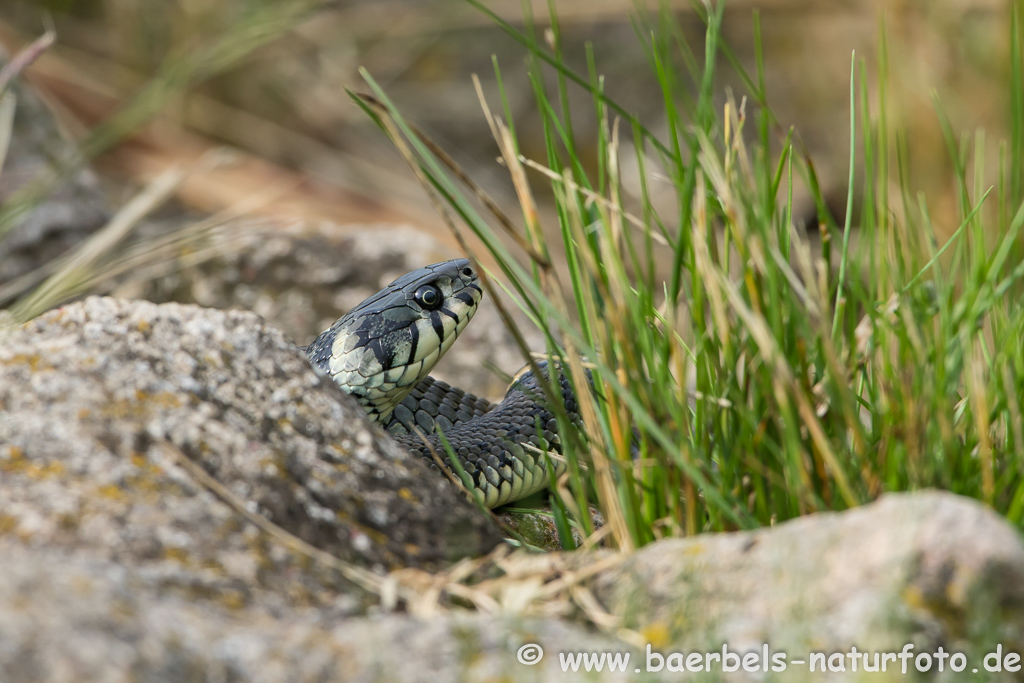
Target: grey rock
{"type": "Point", "coordinates": [930, 569]}
{"type": "Point", "coordinates": [116, 564]}
{"type": "Point", "coordinates": [98, 397]}
{"type": "Point", "coordinates": [71, 619]}
{"type": "Point", "coordinates": [474, 648]}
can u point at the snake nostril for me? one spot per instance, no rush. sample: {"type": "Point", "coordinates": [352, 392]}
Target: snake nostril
{"type": "Point", "coordinates": [467, 271]}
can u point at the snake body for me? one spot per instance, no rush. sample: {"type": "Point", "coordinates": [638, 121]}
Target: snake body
{"type": "Point", "coordinates": [381, 353]}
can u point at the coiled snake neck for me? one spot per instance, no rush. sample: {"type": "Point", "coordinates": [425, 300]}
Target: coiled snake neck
{"type": "Point", "coordinates": [381, 353]}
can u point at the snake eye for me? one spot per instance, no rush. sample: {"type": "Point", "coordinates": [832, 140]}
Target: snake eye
{"type": "Point", "coordinates": [429, 297]}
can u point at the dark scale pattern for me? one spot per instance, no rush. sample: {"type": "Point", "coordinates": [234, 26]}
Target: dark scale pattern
{"type": "Point", "coordinates": [433, 402]}
{"type": "Point", "coordinates": [490, 446]}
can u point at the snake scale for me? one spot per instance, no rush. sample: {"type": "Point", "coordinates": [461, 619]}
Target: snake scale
{"type": "Point", "coordinates": [381, 353]}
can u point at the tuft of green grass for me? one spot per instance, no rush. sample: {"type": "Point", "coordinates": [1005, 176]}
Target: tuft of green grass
{"type": "Point", "coordinates": [759, 377]}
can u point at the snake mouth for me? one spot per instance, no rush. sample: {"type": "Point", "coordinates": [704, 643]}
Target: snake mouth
{"type": "Point", "coordinates": [384, 346]}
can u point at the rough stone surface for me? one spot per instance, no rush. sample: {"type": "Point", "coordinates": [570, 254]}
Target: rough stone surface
{"type": "Point", "coordinates": [931, 569]}
{"type": "Point", "coordinates": [116, 564]}
{"type": "Point", "coordinates": [97, 397]}
{"type": "Point", "coordinates": [73, 619]}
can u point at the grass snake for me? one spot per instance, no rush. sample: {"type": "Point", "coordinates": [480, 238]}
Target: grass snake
{"type": "Point", "coordinates": [381, 353]}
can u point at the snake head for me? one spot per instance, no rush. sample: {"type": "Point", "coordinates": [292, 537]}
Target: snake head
{"type": "Point", "coordinates": [379, 350]}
